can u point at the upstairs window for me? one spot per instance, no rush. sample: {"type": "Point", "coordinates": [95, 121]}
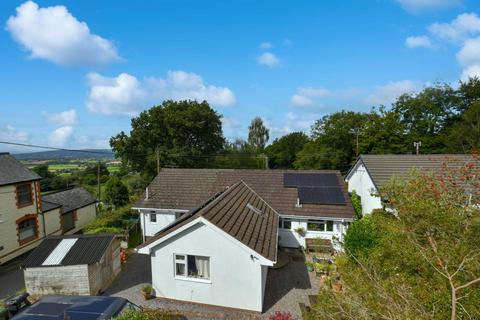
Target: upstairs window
{"type": "Point", "coordinates": [24, 194]}
{"type": "Point", "coordinates": [189, 266]}
{"type": "Point", "coordinates": [153, 217]}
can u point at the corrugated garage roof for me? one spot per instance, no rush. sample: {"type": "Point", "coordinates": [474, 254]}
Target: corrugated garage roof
{"type": "Point", "coordinates": [87, 249]}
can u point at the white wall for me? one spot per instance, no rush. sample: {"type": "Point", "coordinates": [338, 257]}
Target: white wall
{"type": "Point", "coordinates": [164, 218]}
{"type": "Point", "coordinates": [236, 279]}
{"type": "Point", "coordinates": [290, 238]}
{"type": "Point", "coordinates": [362, 183]}
{"type": "Point", "coordinates": [69, 280]}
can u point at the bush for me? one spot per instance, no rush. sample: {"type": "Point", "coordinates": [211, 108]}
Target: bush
{"type": "Point", "coordinates": [149, 315]}
{"type": "Point", "coordinates": [362, 236]}
{"type": "Point", "coordinates": [116, 192]}
{"type": "Point", "coordinates": [281, 315]}
{"type": "Point", "coordinates": [111, 221]}
{"type": "Point", "coordinates": [357, 204]}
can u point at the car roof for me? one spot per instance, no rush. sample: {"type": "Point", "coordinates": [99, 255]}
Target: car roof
{"type": "Point", "coordinates": [75, 307]}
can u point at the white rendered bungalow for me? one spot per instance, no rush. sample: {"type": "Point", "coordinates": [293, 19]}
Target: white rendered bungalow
{"type": "Point", "coordinates": [311, 203]}
{"type": "Point", "coordinates": [219, 253]}
{"type": "Point", "coordinates": [371, 172]}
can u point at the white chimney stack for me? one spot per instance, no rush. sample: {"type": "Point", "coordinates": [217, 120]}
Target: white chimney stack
{"type": "Point", "coordinates": [146, 193]}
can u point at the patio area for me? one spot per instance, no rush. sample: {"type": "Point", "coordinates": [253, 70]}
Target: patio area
{"type": "Point", "coordinates": [287, 289]}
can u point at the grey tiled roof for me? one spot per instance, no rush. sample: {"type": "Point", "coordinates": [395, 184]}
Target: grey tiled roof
{"type": "Point", "coordinates": [241, 213]}
{"type": "Point", "coordinates": [13, 171]}
{"type": "Point", "coordinates": [88, 249]}
{"type": "Point", "coordinates": [70, 199]}
{"type": "Point", "coordinates": [47, 206]}
{"type": "Point", "coordinates": [188, 188]}
{"type": "Point", "coordinates": [382, 168]}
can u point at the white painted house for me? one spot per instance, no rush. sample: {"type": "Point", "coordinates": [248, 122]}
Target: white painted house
{"type": "Point", "coordinates": [219, 253]}
{"type": "Point", "coordinates": [316, 201]}
{"type": "Point", "coordinates": [371, 172]}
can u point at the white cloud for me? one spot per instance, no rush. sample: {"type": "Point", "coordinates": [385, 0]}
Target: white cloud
{"type": "Point", "coordinates": [416, 6]}
{"type": "Point", "coordinates": [470, 72]}
{"type": "Point", "coordinates": [462, 27]}
{"type": "Point", "coordinates": [386, 94]}
{"type": "Point", "coordinates": [64, 118]}
{"type": "Point", "coordinates": [268, 59]}
{"type": "Point", "coordinates": [266, 45]}
{"type": "Point", "coordinates": [126, 95]}
{"type": "Point", "coordinates": [418, 42]}
{"type": "Point", "coordinates": [54, 34]}
{"type": "Point", "coordinates": [10, 134]}
{"type": "Point", "coordinates": [469, 58]}
{"type": "Point", "coordinates": [231, 123]}
{"type": "Point", "coordinates": [293, 122]}
{"type": "Point", "coordinates": [304, 97]}
{"type": "Point", "coordinates": [59, 137]}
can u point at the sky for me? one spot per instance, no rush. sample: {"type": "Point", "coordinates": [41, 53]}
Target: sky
{"type": "Point", "coordinates": [74, 73]}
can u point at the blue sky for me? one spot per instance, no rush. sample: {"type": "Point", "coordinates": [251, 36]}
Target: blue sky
{"type": "Point", "coordinates": [72, 73]}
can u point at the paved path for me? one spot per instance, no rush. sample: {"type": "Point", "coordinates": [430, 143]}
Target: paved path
{"type": "Point", "coordinates": [286, 288]}
{"type": "Point", "coordinates": [11, 279]}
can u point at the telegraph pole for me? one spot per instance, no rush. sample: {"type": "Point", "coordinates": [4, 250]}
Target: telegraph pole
{"type": "Point", "coordinates": [98, 179]}
{"type": "Point", "coordinates": [417, 145]}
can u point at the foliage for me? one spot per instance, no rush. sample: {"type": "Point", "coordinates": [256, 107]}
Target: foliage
{"type": "Point", "coordinates": [425, 262]}
{"type": "Point", "coordinates": [357, 204]}
{"type": "Point", "coordinates": [258, 135]}
{"type": "Point", "coordinates": [147, 288]}
{"type": "Point", "coordinates": [180, 133]}
{"type": "Point", "coordinates": [116, 192]}
{"type": "Point", "coordinates": [301, 231]}
{"type": "Point", "coordinates": [281, 315]}
{"type": "Point", "coordinates": [149, 314]}
{"type": "Point", "coordinates": [111, 221]}
{"type": "Point", "coordinates": [50, 181]}
{"type": "Point", "coordinates": [283, 151]}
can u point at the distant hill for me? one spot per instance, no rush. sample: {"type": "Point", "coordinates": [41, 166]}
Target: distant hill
{"type": "Point", "coordinates": [64, 154]}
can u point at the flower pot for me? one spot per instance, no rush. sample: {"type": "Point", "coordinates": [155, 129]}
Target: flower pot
{"type": "Point", "coordinates": [147, 295]}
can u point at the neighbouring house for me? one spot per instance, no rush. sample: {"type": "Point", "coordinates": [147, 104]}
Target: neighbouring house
{"type": "Point", "coordinates": [75, 207]}
{"type": "Point", "coordinates": [371, 172]}
{"type": "Point", "coordinates": [26, 216]}
{"type": "Point", "coordinates": [311, 203]}
{"type": "Point", "coordinates": [218, 253]}
{"type": "Point", "coordinates": [72, 265]}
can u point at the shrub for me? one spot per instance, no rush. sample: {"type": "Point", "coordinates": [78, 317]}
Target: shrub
{"type": "Point", "coordinates": [362, 236]}
{"type": "Point", "coordinates": [148, 314]}
{"type": "Point", "coordinates": [357, 204]}
{"type": "Point", "coordinates": [281, 315]}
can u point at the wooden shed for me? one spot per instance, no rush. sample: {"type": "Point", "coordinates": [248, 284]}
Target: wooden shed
{"type": "Point", "coordinates": [73, 265]}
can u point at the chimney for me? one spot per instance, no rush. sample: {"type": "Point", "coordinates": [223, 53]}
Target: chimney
{"type": "Point", "coordinates": [146, 193]}
{"type": "Point", "coordinates": [298, 204]}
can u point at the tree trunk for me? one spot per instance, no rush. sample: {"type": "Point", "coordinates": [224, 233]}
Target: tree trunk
{"type": "Point", "coordinates": [454, 302]}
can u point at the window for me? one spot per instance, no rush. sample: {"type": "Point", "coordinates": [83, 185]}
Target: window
{"type": "Point", "coordinates": [313, 225]}
{"type": "Point", "coordinates": [27, 229]}
{"type": "Point", "coordinates": [24, 194]}
{"type": "Point", "coordinates": [68, 220]}
{"type": "Point", "coordinates": [330, 226]}
{"type": "Point", "coordinates": [153, 217]}
{"type": "Point", "coordinates": [190, 266]}
{"type": "Point", "coordinates": [320, 225]}
{"type": "Point", "coordinates": [284, 223]}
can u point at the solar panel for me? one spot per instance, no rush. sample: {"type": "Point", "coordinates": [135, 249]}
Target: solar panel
{"type": "Point", "coordinates": [289, 179]}
{"type": "Point", "coordinates": [296, 179]}
{"type": "Point", "coordinates": [320, 195]}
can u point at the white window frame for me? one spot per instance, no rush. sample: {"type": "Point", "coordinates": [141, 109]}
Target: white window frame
{"type": "Point", "coordinates": [152, 214]}
{"type": "Point", "coordinates": [185, 264]}
{"type": "Point", "coordinates": [282, 223]}
{"type": "Point", "coordinates": [325, 226]}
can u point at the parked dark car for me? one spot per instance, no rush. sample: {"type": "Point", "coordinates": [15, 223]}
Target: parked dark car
{"type": "Point", "coordinates": [75, 308]}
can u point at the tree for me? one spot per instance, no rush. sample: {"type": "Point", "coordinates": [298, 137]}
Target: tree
{"type": "Point", "coordinates": [116, 192]}
{"type": "Point", "coordinates": [464, 136]}
{"type": "Point", "coordinates": [283, 151]}
{"type": "Point", "coordinates": [175, 133]}
{"type": "Point", "coordinates": [258, 135]}
{"type": "Point", "coordinates": [333, 144]}
{"type": "Point", "coordinates": [424, 262]}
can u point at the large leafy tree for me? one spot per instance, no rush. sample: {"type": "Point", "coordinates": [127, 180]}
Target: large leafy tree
{"type": "Point", "coordinates": [176, 133]}
{"type": "Point", "coordinates": [424, 260]}
{"type": "Point", "coordinates": [258, 135]}
{"type": "Point", "coordinates": [283, 151]}
{"type": "Point", "coordinates": [116, 192]}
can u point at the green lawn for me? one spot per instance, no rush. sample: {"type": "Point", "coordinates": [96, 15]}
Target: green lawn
{"type": "Point", "coordinates": [113, 168]}
{"type": "Point", "coordinates": [57, 167]}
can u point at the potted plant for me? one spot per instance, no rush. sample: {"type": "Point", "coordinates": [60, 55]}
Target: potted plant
{"type": "Point", "coordinates": [147, 291]}
{"type": "Point", "coordinates": [301, 231]}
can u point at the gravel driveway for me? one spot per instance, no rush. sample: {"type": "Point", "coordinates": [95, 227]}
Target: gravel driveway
{"type": "Point", "coordinates": [285, 289]}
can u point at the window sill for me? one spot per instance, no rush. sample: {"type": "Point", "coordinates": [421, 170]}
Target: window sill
{"type": "Point", "coordinates": [23, 205]}
{"type": "Point", "coordinates": [27, 240]}
{"type": "Point", "coordinates": [193, 279]}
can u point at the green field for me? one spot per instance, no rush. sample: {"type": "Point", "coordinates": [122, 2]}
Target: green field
{"type": "Point", "coordinates": [58, 167]}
